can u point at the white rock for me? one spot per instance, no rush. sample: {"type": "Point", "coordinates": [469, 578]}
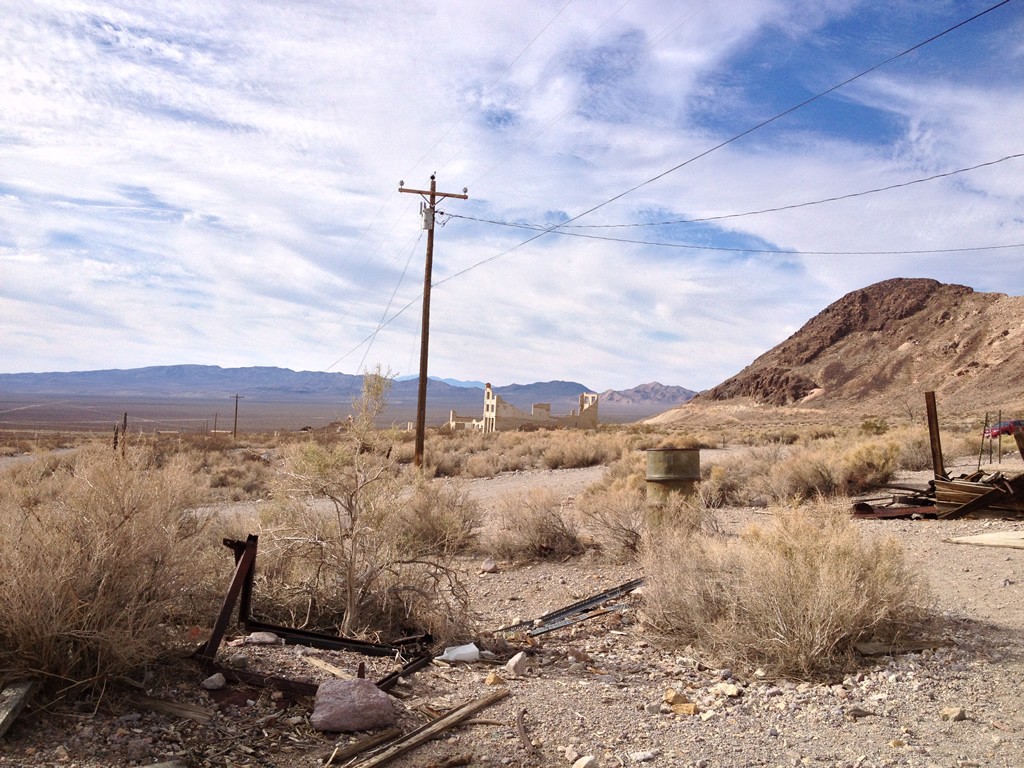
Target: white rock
{"type": "Point", "coordinates": [517, 665]}
{"type": "Point", "coordinates": [643, 757]}
{"type": "Point", "coordinates": [263, 638]}
{"type": "Point", "coordinates": [488, 566]}
{"type": "Point", "coordinates": [587, 761]}
{"type": "Point", "coordinates": [214, 682]}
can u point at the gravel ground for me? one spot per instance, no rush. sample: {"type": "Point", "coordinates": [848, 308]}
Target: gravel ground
{"type": "Point", "coordinates": [605, 688]}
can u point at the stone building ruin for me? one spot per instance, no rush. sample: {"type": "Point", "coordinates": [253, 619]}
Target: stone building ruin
{"type": "Point", "coordinates": [500, 416]}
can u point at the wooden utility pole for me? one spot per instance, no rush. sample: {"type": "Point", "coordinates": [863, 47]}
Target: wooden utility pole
{"type": "Point", "coordinates": [234, 430]}
{"type": "Point", "coordinates": [427, 209]}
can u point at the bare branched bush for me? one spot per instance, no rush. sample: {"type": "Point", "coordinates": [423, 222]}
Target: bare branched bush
{"type": "Point", "coordinates": [536, 527]}
{"type": "Point", "coordinates": [93, 571]}
{"type": "Point", "coordinates": [620, 518]}
{"type": "Point", "coordinates": [617, 519]}
{"type": "Point", "coordinates": [571, 448]}
{"type": "Point", "coordinates": [793, 596]}
{"type": "Point", "coordinates": [346, 546]}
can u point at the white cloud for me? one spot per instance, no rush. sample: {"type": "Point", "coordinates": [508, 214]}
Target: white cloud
{"type": "Point", "coordinates": [216, 182]}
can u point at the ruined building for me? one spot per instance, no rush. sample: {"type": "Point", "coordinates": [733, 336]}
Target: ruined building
{"type": "Point", "coordinates": [500, 416]}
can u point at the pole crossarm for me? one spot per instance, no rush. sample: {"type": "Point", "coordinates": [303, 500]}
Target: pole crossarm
{"type": "Point", "coordinates": [427, 192]}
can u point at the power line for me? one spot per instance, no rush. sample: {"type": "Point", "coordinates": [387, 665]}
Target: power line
{"type": "Point", "coordinates": [807, 204]}
{"type": "Point", "coordinates": [789, 110]}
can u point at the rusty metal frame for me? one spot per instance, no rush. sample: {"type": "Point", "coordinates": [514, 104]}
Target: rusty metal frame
{"type": "Point", "coordinates": [240, 592]}
{"type": "Point", "coordinates": [588, 608]}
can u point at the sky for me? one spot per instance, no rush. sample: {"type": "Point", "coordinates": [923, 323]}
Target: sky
{"type": "Point", "coordinates": [652, 184]}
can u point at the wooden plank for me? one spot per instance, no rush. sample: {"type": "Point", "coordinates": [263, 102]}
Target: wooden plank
{"type": "Point", "coordinates": [363, 745]}
{"type": "Point", "coordinates": [433, 729]}
{"type": "Point", "coordinates": [329, 668]}
{"type": "Point", "coordinates": [13, 698]}
{"type": "Point", "coordinates": [1011, 539]}
{"type": "Point", "coordinates": [175, 708]}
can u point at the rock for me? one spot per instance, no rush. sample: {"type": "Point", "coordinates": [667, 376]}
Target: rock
{"type": "Point", "coordinates": [238, 660]}
{"type": "Point", "coordinates": [263, 638]}
{"type": "Point", "coordinates": [214, 682]}
{"type": "Point", "coordinates": [351, 705]}
{"type": "Point", "coordinates": [493, 678]}
{"type": "Point", "coordinates": [954, 714]}
{"type": "Point", "coordinates": [488, 566]}
{"type": "Point", "coordinates": [517, 665]}
{"type": "Point", "coordinates": [643, 757]}
{"type": "Point", "coordinates": [727, 689]}
{"type": "Point", "coordinates": [587, 761]}
{"type": "Point", "coordinates": [672, 696]}
{"type": "Point", "coordinates": [684, 708]}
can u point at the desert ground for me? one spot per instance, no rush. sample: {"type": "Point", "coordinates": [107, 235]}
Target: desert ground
{"type": "Point", "coordinates": [598, 689]}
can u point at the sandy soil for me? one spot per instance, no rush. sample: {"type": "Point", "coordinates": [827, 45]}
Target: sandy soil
{"type": "Point", "coordinates": [597, 688]}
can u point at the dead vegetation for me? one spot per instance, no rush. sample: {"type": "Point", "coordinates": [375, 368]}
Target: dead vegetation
{"type": "Point", "coordinates": [791, 596]}
{"type": "Point", "coordinates": [353, 540]}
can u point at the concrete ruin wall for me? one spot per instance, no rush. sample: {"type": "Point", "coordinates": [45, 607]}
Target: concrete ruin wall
{"type": "Point", "coordinates": [500, 416]}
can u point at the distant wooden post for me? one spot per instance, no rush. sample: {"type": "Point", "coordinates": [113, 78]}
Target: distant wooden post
{"type": "Point", "coordinates": [124, 432]}
{"type": "Point", "coordinates": [116, 427]}
{"type": "Point", "coordinates": [933, 435]}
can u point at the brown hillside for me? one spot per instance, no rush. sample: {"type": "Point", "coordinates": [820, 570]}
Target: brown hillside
{"type": "Point", "coordinates": [883, 346]}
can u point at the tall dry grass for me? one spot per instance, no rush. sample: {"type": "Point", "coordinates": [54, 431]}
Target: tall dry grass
{"type": "Point", "coordinates": [96, 565]}
{"type": "Point", "coordinates": [536, 526]}
{"type": "Point", "coordinates": [792, 595]}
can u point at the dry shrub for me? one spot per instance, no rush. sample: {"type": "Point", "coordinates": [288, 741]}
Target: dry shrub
{"type": "Point", "coordinates": [792, 596]}
{"type": "Point", "coordinates": [536, 527]}
{"type": "Point", "coordinates": [439, 518]}
{"type": "Point", "coordinates": [92, 573]}
{"type": "Point", "coordinates": [353, 545]}
{"type": "Point", "coordinates": [616, 518]}
{"type": "Point", "coordinates": [571, 448]}
{"type": "Point", "coordinates": [620, 518]}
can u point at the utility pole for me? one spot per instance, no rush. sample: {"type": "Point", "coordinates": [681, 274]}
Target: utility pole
{"type": "Point", "coordinates": [234, 431]}
{"type": "Point", "coordinates": [427, 210]}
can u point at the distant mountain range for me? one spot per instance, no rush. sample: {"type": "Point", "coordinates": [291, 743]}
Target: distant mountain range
{"type": "Point", "coordinates": [204, 386]}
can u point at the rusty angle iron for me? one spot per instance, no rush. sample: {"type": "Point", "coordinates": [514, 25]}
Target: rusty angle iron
{"type": "Point", "coordinates": [240, 592]}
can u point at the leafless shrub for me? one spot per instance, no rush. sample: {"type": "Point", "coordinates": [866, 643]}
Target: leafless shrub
{"type": "Point", "coordinates": [93, 569]}
{"type": "Point", "coordinates": [345, 549]}
{"type": "Point", "coordinates": [619, 518]}
{"type": "Point", "coordinates": [792, 596]}
{"type": "Point", "coordinates": [570, 448]}
{"type": "Point", "coordinates": [536, 527]}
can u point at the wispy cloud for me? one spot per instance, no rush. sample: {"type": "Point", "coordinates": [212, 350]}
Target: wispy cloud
{"type": "Point", "coordinates": [216, 182]}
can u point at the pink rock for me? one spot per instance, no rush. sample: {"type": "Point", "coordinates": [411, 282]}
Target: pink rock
{"type": "Point", "coordinates": [351, 705]}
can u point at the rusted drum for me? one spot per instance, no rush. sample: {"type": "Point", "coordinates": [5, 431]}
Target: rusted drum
{"type": "Point", "coordinates": [672, 470]}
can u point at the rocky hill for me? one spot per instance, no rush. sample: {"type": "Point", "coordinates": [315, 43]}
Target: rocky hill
{"type": "Point", "coordinates": [883, 346]}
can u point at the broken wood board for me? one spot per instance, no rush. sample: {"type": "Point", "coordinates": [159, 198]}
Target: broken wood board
{"type": "Point", "coordinates": [13, 698]}
{"type": "Point", "coordinates": [1011, 539]}
{"type": "Point", "coordinates": [433, 729]}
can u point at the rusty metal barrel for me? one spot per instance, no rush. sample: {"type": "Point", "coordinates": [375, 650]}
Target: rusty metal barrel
{"type": "Point", "coordinates": [672, 470]}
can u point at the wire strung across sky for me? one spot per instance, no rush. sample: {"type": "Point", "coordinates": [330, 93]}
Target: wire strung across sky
{"type": "Point", "coordinates": [557, 228]}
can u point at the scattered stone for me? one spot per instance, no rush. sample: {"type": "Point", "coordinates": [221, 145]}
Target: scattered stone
{"type": "Point", "coordinates": [643, 757]}
{"type": "Point", "coordinates": [263, 638]}
{"type": "Point", "coordinates": [672, 696]}
{"type": "Point", "coordinates": [351, 705]}
{"type": "Point", "coordinates": [214, 682]}
{"type": "Point", "coordinates": [488, 566]}
{"type": "Point", "coordinates": [587, 761]}
{"type": "Point", "coordinates": [518, 664]}
{"type": "Point", "coordinates": [238, 660]}
{"type": "Point", "coordinates": [731, 690]}
{"type": "Point", "coordinates": [953, 714]}
{"type": "Point", "coordinates": [856, 713]}
{"type": "Point", "coordinates": [685, 708]}
{"type": "Point", "coordinates": [493, 678]}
